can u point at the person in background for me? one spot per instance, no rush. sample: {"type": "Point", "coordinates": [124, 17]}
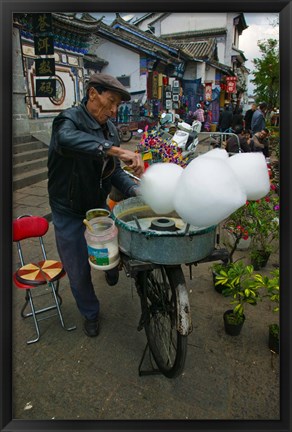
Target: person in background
{"type": "Point", "coordinates": [237, 118]}
{"type": "Point", "coordinates": [275, 117]}
{"type": "Point", "coordinates": [83, 165]}
{"type": "Point", "coordinates": [258, 121]}
{"type": "Point", "coordinates": [260, 142]}
{"type": "Point", "coordinates": [244, 141]}
{"type": "Point", "coordinates": [225, 119]}
{"type": "Point", "coordinates": [248, 116]}
{"type": "Point", "coordinates": [199, 115]}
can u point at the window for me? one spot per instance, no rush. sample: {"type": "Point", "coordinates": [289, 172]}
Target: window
{"type": "Point", "coordinates": [125, 80]}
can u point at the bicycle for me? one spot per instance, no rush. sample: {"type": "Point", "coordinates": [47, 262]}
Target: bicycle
{"type": "Point", "coordinates": [152, 257]}
{"type": "Point", "coordinates": [125, 133]}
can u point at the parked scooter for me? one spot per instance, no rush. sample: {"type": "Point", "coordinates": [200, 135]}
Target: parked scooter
{"type": "Point", "coordinates": [186, 136]}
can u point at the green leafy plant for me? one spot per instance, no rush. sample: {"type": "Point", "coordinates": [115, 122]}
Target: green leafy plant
{"type": "Point", "coordinates": [258, 220]}
{"type": "Point", "coordinates": [272, 286]}
{"type": "Point", "coordinates": [263, 222]}
{"type": "Point", "coordinates": [239, 283]}
{"type": "Point", "coordinates": [234, 226]}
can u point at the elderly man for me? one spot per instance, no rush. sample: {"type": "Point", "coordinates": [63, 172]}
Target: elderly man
{"type": "Point", "coordinates": [258, 121]}
{"type": "Point", "coordinates": [83, 164]}
{"type": "Point", "coordinates": [260, 142]}
{"type": "Point", "coordinates": [248, 116]}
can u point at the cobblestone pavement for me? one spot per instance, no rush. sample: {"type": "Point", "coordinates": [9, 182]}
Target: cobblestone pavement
{"type": "Point", "coordinates": [67, 375]}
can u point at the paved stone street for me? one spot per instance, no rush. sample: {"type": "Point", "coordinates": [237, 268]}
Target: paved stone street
{"type": "Point", "coordinates": [67, 375]}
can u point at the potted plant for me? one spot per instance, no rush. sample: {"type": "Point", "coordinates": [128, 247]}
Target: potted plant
{"type": "Point", "coordinates": [271, 284]}
{"type": "Point", "coordinates": [256, 221]}
{"type": "Point", "coordinates": [239, 283]}
{"type": "Point", "coordinates": [263, 227]}
{"type": "Point", "coordinates": [235, 228]}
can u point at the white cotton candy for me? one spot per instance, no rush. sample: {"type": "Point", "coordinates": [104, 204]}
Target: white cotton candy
{"type": "Point", "coordinates": [218, 153]}
{"type": "Point", "coordinates": [252, 173]}
{"type": "Point", "coordinates": [207, 192]}
{"type": "Point", "coordinates": [158, 185]}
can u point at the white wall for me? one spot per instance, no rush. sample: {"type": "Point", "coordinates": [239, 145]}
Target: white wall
{"type": "Point", "coordinates": [122, 61]}
{"type": "Point", "coordinates": [191, 71]}
{"type": "Point", "coordinates": [185, 21]}
{"type": "Point", "coordinates": [210, 74]}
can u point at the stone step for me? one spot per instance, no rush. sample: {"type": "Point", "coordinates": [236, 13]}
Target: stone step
{"type": "Point", "coordinates": [29, 166]}
{"type": "Point", "coordinates": [30, 155]}
{"type": "Point", "coordinates": [28, 178]}
{"type": "Point", "coordinates": [29, 161]}
{"type": "Point", "coordinates": [23, 139]}
{"type": "Point", "coordinates": [27, 146]}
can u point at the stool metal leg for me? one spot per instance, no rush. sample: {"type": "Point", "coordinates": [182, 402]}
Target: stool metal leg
{"type": "Point", "coordinates": [25, 304]}
{"type": "Point", "coordinates": [33, 314]}
{"type": "Point", "coordinates": [55, 294]}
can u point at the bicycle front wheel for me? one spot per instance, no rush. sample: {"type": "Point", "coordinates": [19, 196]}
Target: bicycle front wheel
{"type": "Point", "coordinates": [125, 133]}
{"type": "Point", "coordinates": [159, 305]}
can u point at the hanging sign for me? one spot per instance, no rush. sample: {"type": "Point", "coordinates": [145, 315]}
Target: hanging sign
{"type": "Point", "coordinates": [231, 84]}
{"type": "Point", "coordinates": [43, 45]}
{"type": "Point", "coordinates": [45, 87]}
{"type": "Point", "coordinates": [42, 23]}
{"type": "Point", "coordinates": [45, 66]}
{"type": "Point", "coordinates": [208, 91]}
{"type": "Point", "coordinates": [155, 85]}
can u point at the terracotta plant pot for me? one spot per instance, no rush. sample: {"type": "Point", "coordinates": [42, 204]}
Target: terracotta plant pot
{"type": "Point", "coordinates": [233, 329]}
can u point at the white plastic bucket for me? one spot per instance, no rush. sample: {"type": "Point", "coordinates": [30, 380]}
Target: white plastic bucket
{"type": "Point", "coordinates": [102, 244]}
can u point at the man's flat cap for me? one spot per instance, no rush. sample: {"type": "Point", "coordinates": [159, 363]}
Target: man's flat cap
{"type": "Point", "coordinates": [110, 83]}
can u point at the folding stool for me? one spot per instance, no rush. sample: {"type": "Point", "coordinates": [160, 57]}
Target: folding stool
{"type": "Point", "coordinates": [33, 275]}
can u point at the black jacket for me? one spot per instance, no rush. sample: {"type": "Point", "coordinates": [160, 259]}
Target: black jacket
{"type": "Point", "coordinates": [232, 145]}
{"type": "Point", "coordinates": [247, 118]}
{"type": "Point", "coordinates": [79, 172]}
{"type": "Point", "coordinates": [225, 120]}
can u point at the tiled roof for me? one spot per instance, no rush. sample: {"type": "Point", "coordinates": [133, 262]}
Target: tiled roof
{"type": "Point", "coordinates": [94, 60]}
{"type": "Point", "coordinates": [196, 33]}
{"type": "Point", "coordinates": [126, 28]}
{"type": "Point", "coordinates": [78, 24]}
{"type": "Point", "coordinates": [128, 35]}
{"type": "Point", "coordinates": [241, 53]}
{"type": "Point", "coordinates": [200, 49]}
{"type": "Point", "coordinates": [220, 66]}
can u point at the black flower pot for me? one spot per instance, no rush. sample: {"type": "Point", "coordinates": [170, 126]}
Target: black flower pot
{"type": "Point", "coordinates": [233, 329]}
{"type": "Point", "coordinates": [273, 341]}
{"type": "Point", "coordinates": [260, 259]}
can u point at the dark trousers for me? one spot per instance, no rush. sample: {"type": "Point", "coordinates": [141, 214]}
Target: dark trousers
{"type": "Point", "coordinates": [72, 249]}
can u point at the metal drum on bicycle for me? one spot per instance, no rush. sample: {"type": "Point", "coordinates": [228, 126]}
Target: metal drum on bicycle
{"type": "Point", "coordinates": [160, 239]}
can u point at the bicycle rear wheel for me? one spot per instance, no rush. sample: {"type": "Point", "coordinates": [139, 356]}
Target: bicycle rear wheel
{"type": "Point", "coordinates": [159, 305]}
{"type": "Point", "coordinates": [125, 133]}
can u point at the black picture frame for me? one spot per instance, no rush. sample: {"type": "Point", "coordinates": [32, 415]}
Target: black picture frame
{"type": "Point", "coordinates": [7, 423]}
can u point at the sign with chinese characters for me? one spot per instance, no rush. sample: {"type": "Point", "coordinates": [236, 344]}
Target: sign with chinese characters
{"type": "Point", "coordinates": [43, 45]}
{"type": "Point", "coordinates": [45, 66]}
{"type": "Point", "coordinates": [42, 23]}
{"type": "Point", "coordinates": [155, 85]}
{"type": "Point", "coordinates": [45, 87]}
{"type": "Point", "coordinates": [208, 91]}
{"type": "Point", "coordinates": [231, 84]}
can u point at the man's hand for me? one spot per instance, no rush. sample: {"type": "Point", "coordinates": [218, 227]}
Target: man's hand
{"type": "Point", "coordinates": [131, 159]}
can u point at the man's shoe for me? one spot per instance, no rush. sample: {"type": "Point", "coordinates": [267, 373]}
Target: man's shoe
{"type": "Point", "coordinates": [91, 327]}
{"type": "Point", "coordinates": [112, 276]}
